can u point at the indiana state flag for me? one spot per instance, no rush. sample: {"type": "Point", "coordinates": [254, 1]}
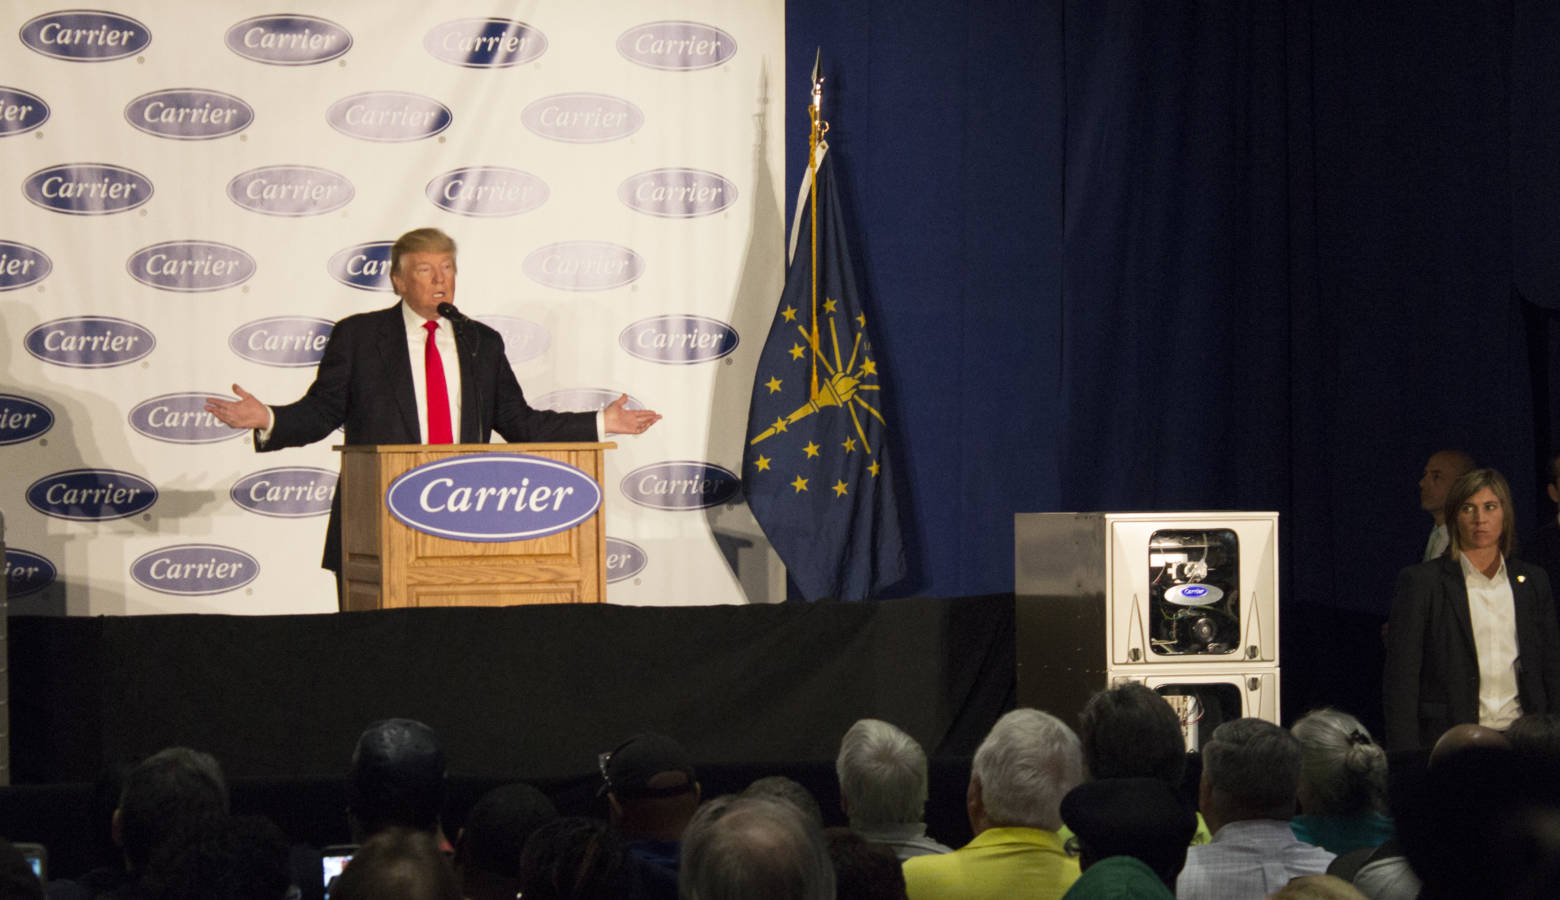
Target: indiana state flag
{"type": "Point", "coordinates": [816, 464]}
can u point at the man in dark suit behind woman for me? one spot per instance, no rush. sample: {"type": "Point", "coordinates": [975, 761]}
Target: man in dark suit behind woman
{"type": "Point", "coordinates": [1473, 635]}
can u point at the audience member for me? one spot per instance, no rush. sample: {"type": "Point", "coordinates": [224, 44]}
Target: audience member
{"type": "Point", "coordinates": [1023, 768]}
{"type": "Point", "coordinates": [396, 780]}
{"type": "Point", "coordinates": [779, 787]}
{"type": "Point", "coordinates": [1130, 731]}
{"type": "Point", "coordinates": [652, 794]}
{"type": "Point", "coordinates": [1141, 818]}
{"type": "Point", "coordinates": [1343, 784]}
{"type": "Point", "coordinates": [1536, 735]}
{"type": "Point", "coordinates": [883, 788]}
{"type": "Point", "coordinates": [237, 858]}
{"type": "Point", "coordinates": [577, 859]}
{"type": "Point", "coordinates": [1544, 547]}
{"type": "Point", "coordinates": [1443, 468]}
{"type": "Point", "coordinates": [487, 854]}
{"type": "Point", "coordinates": [1466, 737]}
{"type": "Point", "coordinates": [743, 848]}
{"type": "Point", "coordinates": [172, 794]}
{"type": "Point", "coordinates": [1250, 778]}
{"type": "Point", "coordinates": [1318, 887]}
{"type": "Point", "coordinates": [863, 870]}
{"type": "Point", "coordinates": [397, 863]}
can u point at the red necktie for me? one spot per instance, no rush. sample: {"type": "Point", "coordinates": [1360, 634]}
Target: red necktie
{"type": "Point", "coordinates": [438, 393]}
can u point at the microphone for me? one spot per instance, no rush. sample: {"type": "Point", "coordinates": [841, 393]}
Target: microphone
{"type": "Point", "coordinates": [448, 311]}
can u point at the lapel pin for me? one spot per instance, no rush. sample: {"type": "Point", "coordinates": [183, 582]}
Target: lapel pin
{"type": "Point", "coordinates": [1521, 578]}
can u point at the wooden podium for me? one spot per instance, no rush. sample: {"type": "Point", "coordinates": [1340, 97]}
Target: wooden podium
{"type": "Point", "coordinates": [386, 564]}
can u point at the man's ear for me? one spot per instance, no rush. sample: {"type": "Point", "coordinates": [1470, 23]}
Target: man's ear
{"type": "Point", "coordinates": [975, 805]}
{"type": "Point", "coordinates": [1554, 492]}
{"type": "Point", "coordinates": [117, 829]}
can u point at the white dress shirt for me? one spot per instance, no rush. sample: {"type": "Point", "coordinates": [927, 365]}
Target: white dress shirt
{"type": "Point", "coordinates": [1492, 610]}
{"type": "Point", "coordinates": [1248, 860]}
{"type": "Point", "coordinates": [1440, 539]}
{"type": "Point", "coordinates": [416, 342]}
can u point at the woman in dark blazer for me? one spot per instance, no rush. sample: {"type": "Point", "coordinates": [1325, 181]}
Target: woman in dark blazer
{"type": "Point", "coordinates": [1432, 676]}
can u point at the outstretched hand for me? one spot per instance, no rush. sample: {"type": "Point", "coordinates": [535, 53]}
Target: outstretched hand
{"type": "Point", "coordinates": [246, 412]}
{"type": "Point", "coordinates": [619, 420]}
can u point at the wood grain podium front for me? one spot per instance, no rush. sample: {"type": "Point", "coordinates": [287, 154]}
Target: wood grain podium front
{"type": "Point", "coordinates": [387, 564]}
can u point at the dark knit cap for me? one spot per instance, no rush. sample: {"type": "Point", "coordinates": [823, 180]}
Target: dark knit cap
{"type": "Point", "coordinates": [1138, 817]}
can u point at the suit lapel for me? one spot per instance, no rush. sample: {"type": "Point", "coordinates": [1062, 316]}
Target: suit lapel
{"type": "Point", "coordinates": [395, 356]}
{"type": "Point", "coordinates": [1457, 594]}
{"type": "Point", "coordinates": [465, 353]}
{"type": "Point", "coordinates": [1526, 603]}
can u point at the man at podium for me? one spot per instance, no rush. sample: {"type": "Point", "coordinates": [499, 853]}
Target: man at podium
{"type": "Point", "coordinates": [418, 372]}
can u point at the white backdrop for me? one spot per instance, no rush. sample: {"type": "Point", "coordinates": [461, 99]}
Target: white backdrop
{"type": "Point", "coordinates": [612, 174]}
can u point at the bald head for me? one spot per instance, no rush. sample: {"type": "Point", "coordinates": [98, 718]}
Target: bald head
{"type": "Point", "coordinates": [1462, 737]}
{"type": "Point", "coordinates": [1443, 468]}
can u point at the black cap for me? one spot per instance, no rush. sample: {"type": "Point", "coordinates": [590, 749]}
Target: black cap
{"type": "Point", "coordinates": [629, 769]}
{"type": "Point", "coordinates": [1138, 817]}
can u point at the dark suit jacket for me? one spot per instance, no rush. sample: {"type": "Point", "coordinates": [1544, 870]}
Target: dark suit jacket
{"type": "Point", "coordinates": [364, 384]}
{"type": "Point", "coordinates": [1432, 668]}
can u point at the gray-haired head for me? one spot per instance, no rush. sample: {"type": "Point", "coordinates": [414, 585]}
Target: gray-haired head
{"type": "Point", "coordinates": [1343, 772]}
{"type": "Point", "coordinates": [882, 774]}
{"type": "Point", "coordinates": [1255, 766]}
{"type": "Point", "coordinates": [1027, 763]}
{"type": "Point", "coordinates": [738, 848]}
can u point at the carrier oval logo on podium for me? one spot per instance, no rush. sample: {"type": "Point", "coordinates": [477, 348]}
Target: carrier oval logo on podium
{"type": "Point", "coordinates": [195, 570]}
{"type": "Point", "coordinates": [27, 573]}
{"type": "Point", "coordinates": [85, 35]}
{"type": "Point", "coordinates": [493, 497]}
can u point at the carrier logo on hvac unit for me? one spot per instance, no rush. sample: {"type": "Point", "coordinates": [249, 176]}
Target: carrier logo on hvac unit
{"type": "Point", "coordinates": [363, 266]}
{"type": "Point", "coordinates": [290, 190]}
{"type": "Point", "coordinates": [27, 573]}
{"type": "Point", "coordinates": [288, 492]}
{"type": "Point", "coordinates": [87, 189]}
{"type": "Point", "coordinates": [22, 419]}
{"type": "Point", "coordinates": [287, 341]}
{"type": "Point", "coordinates": [493, 497]}
{"type": "Point", "coordinates": [195, 570]}
{"type": "Point", "coordinates": [22, 266]}
{"type": "Point", "coordinates": [85, 35]}
{"type": "Point", "coordinates": [191, 266]}
{"type": "Point", "coordinates": [91, 495]}
{"type": "Point", "coordinates": [676, 46]}
{"type": "Point", "coordinates": [21, 111]}
{"type": "Point", "coordinates": [182, 419]}
{"type": "Point", "coordinates": [189, 114]}
{"type": "Point", "coordinates": [89, 342]}
{"type": "Point", "coordinates": [681, 484]}
{"type": "Point", "coordinates": [485, 43]}
{"type": "Point", "coordinates": [288, 40]}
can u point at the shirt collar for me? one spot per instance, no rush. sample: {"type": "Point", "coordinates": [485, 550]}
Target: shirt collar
{"type": "Point", "coordinates": [1469, 571]}
{"type": "Point", "coordinates": [414, 322]}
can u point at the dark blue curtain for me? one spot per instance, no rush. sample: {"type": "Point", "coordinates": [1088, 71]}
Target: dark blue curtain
{"type": "Point", "coordinates": [1140, 255]}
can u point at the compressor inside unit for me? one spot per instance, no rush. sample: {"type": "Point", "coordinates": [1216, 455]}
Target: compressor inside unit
{"type": "Point", "coordinates": [1194, 591]}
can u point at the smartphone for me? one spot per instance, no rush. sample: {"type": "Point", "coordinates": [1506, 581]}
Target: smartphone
{"type": "Point", "coordinates": [37, 857]}
{"type": "Point", "coordinates": [334, 859]}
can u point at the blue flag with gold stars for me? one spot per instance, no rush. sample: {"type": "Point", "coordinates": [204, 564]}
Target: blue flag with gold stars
{"type": "Point", "coordinates": [816, 463]}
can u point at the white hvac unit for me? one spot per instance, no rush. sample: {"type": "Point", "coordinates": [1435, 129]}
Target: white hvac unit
{"type": "Point", "coordinates": [1206, 700]}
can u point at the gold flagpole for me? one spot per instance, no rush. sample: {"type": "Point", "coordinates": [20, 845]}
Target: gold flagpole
{"type": "Point", "coordinates": [815, 113]}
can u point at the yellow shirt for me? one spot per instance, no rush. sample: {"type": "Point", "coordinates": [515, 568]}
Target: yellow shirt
{"type": "Point", "coordinates": [999, 864]}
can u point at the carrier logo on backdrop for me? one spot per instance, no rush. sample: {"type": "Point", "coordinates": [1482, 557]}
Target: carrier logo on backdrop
{"type": "Point", "coordinates": [583, 118]}
{"type": "Point", "coordinates": [679, 340]}
{"type": "Point", "coordinates": [677, 193]}
{"type": "Point", "coordinates": [681, 484]}
{"type": "Point", "coordinates": [181, 419]}
{"type": "Point", "coordinates": [582, 400]}
{"type": "Point", "coordinates": [288, 40]}
{"type": "Point", "coordinates": [285, 341]}
{"type": "Point", "coordinates": [27, 573]}
{"type": "Point", "coordinates": [524, 340]}
{"type": "Point", "coordinates": [85, 35]}
{"type": "Point", "coordinates": [487, 191]}
{"type": "Point", "coordinates": [583, 265]}
{"type": "Point", "coordinates": [89, 495]}
{"type": "Point", "coordinates": [190, 266]}
{"type": "Point", "coordinates": [389, 116]}
{"type": "Point", "coordinates": [189, 114]}
{"type": "Point", "coordinates": [22, 419]}
{"type": "Point", "coordinates": [625, 559]}
{"type": "Point", "coordinates": [21, 111]}
{"type": "Point", "coordinates": [676, 46]}
{"type": "Point", "coordinates": [363, 266]}
{"type": "Point", "coordinates": [195, 570]}
{"type": "Point", "coordinates": [291, 190]}
{"type": "Point", "coordinates": [21, 265]}
{"type": "Point", "coordinates": [89, 342]}
{"type": "Point", "coordinates": [290, 492]}
{"type": "Point", "coordinates": [87, 189]}
{"type": "Point", "coordinates": [493, 497]}
{"type": "Point", "coordinates": [485, 43]}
